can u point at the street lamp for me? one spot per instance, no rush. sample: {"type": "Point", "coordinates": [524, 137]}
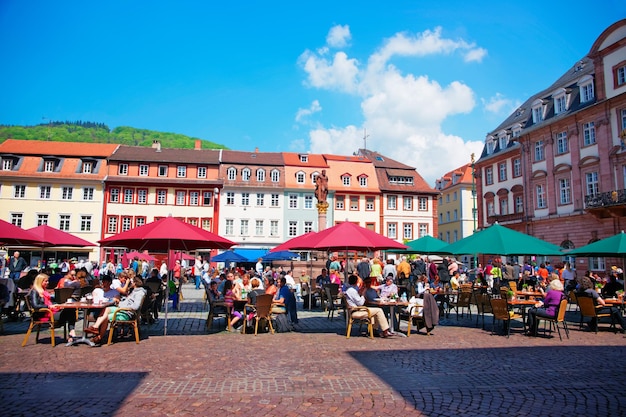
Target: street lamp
{"type": "Point", "coordinates": [474, 210]}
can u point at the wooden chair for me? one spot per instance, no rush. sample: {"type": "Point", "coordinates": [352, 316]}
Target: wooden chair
{"type": "Point", "coordinates": [262, 311]}
{"type": "Point", "coordinates": [588, 309]}
{"type": "Point", "coordinates": [573, 299]}
{"type": "Point", "coordinates": [463, 300]}
{"type": "Point", "coordinates": [559, 319]}
{"type": "Point", "coordinates": [119, 321]}
{"type": "Point", "coordinates": [504, 292]}
{"type": "Point", "coordinates": [333, 300]}
{"type": "Point", "coordinates": [61, 295]}
{"type": "Point", "coordinates": [218, 309]}
{"type": "Point", "coordinates": [363, 316]}
{"type": "Point", "coordinates": [513, 285]}
{"type": "Point", "coordinates": [483, 304]}
{"type": "Point", "coordinates": [501, 312]}
{"type": "Point", "coordinates": [42, 317]}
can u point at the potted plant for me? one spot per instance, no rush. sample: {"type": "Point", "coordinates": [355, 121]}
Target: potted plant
{"type": "Point", "coordinates": [510, 294]}
{"type": "Point", "coordinates": [525, 287]}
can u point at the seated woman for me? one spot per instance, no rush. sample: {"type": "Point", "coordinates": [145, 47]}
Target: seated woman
{"type": "Point", "coordinates": [133, 302]}
{"type": "Point", "coordinates": [371, 290]}
{"type": "Point", "coordinates": [229, 300]}
{"type": "Point", "coordinates": [39, 297]}
{"type": "Point", "coordinates": [422, 284]}
{"type": "Point", "coordinates": [270, 287]}
{"type": "Point", "coordinates": [549, 307]}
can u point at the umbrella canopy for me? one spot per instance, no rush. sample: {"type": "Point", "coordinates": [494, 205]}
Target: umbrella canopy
{"type": "Point", "coordinates": [298, 242]}
{"type": "Point", "coordinates": [283, 255]}
{"type": "Point", "coordinates": [13, 235]}
{"type": "Point", "coordinates": [348, 235]}
{"type": "Point", "coordinates": [610, 246]}
{"type": "Point", "coordinates": [500, 240]}
{"type": "Point", "coordinates": [140, 255]}
{"type": "Point", "coordinates": [168, 233]}
{"type": "Point", "coordinates": [229, 256]}
{"type": "Point", "coordinates": [425, 245]}
{"type": "Point", "coordinates": [49, 236]}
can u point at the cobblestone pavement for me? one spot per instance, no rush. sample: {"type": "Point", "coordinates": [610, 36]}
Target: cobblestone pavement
{"type": "Point", "coordinates": [316, 371]}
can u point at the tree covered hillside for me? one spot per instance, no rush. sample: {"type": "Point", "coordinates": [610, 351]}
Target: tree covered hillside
{"type": "Point", "coordinates": [100, 133]}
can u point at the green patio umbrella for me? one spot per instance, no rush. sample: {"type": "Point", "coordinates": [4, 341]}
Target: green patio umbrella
{"type": "Point", "coordinates": [425, 245]}
{"type": "Point", "coordinates": [500, 240]}
{"type": "Point", "coordinates": [610, 246]}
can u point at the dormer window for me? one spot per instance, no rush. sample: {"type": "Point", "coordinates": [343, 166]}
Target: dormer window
{"type": "Point", "coordinates": [502, 142]}
{"type": "Point", "coordinates": [87, 167]}
{"type": "Point", "coordinates": [304, 158]}
{"type": "Point", "coordinates": [231, 173]}
{"type": "Point", "coordinates": [586, 89]}
{"type": "Point", "coordinates": [260, 175]}
{"type": "Point", "coordinates": [300, 177]}
{"type": "Point", "coordinates": [559, 104]}
{"type": "Point", "coordinates": [7, 164]}
{"type": "Point", "coordinates": [50, 165]}
{"type": "Point", "coordinates": [538, 111]}
{"type": "Point", "coordinates": [122, 169]}
{"type": "Point", "coordinates": [275, 174]}
{"type": "Point", "coordinates": [345, 179]}
{"type": "Point", "coordinates": [490, 147]}
{"type": "Point", "coordinates": [245, 174]}
{"type": "Point", "coordinates": [363, 180]}
{"type": "Point", "coordinates": [314, 176]}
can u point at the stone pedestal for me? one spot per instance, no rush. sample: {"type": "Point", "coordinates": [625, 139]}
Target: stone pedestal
{"type": "Point", "coordinates": [322, 208]}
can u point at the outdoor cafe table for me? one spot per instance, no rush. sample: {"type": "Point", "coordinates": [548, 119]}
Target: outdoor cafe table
{"type": "Point", "coordinates": [392, 305]}
{"type": "Point", "coordinates": [616, 302]}
{"type": "Point", "coordinates": [446, 297]}
{"type": "Point", "coordinates": [85, 307]}
{"type": "Point", "coordinates": [523, 305]}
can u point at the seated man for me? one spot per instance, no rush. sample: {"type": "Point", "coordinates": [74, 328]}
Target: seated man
{"type": "Point", "coordinates": [389, 289]}
{"type": "Point", "coordinates": [133, 302]}
{"type": "Point", "coordinates": [589, 291]}
{"type": "Point", "coordinates": [285, 301]}
{"type": "Point", "coordinates": [355, 299]}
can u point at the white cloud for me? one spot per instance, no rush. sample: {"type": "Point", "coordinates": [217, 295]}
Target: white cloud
{"type": "Point", "coordinates": [340, 74]}
{"type": "Point", "coordinates": [313, 108]}
{"type": "Point", "coordinates": [500, 105]}
{"type": "Point", "coordinates": [475, 55]}
{"type": "Point", "coordinates": [403, 113]}
{"type": "Point", "coordinates": [338, 36]}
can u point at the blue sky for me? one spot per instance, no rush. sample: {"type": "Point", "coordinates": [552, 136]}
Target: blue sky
{"type": "Point", "coordinates": [426, 80]}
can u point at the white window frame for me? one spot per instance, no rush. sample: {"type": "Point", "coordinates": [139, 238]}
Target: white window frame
{"type": "Point", "coordinates": [392, 230]}
{"type": "Point", "coordinates": [274, 200]}
{"type": "Point", "coordinates": [144, 170]}
{"type": "Point", "coordinates": [162, 171]}
{"type": "Point", "coordinates": [122, 169]}
{"type": "Point", "coordinates": [67, 193]}
{"type": "Point", "coordinates": [45, 192]}
{"type": "Point", "coordinates": [260, 199]}
{"type": "Point", "coordinates": [85, 223]}
{"type": "Point", "coordinates": [275, 174]}
{"type": "Point", "coordinates": [230, 198]}
{"type": "Point", "coordinates": [260, 175]}
{"type": "Point", "coordinates": [181, 171]}
{"type": "Point", "coordinates": [245, 199]}
{"type": "Point", "coordinates": [540, 196]}
{"type": "Point", "coordinates": [517, 167]}
{"type": "Point", "coordinates": [292, 201]}
{"type": "Point", "coordinates": [592, 184]}
{"type": "Point", "coordinates": [229, 228]}
{"type": "Point", "coordinates": [346, 180]}
{"type": "Point", "coordinates": [65, 222]}
{"type": "Point", "coordinates": [19, 191]}
{"type": "Point", "coordinates": [392, 202]}
{"type": "Point", "coordinates": [565, 191]}
{"type": "Point", "coordinates": [88, 193]}
{"type": "Point", "coordinates": [258, 227]}
{"type": "Point", "coordinates": [539, 153]}
{"type": "Point", "coordinates": [273, 227]}
{"type": "Point", "coordinates": [300, 177]}
{"type": "Point", "coordinates": [589, 134]}
{"type": "Point", "coordinates": [562, 143]}
{"type": "Point", "coordinates": [201, 172]}
{"type": "Point", "coordinates": [231, 174]}
{"type": "Point", "coordinates": [363, 181]}
{"type": "Point", "coordinates": [246, 174]}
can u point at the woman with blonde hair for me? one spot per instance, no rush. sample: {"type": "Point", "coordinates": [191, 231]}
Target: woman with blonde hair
{"type": "Point", "coordinates": [39, 297]}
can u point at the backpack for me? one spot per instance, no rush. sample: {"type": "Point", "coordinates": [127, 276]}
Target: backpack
{"type": "Point", "coordinates": [281, 323]}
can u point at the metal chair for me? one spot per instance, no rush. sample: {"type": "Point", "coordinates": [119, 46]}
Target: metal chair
{"type": "Point", "coordinates": [588, 309]}
{"type": "Point", "coordinates": [262, 311]}
{"type": "Point", "coordinates": [42, 317]}
{"type": "Point", "coordinates": [560, 318]}
{"type": "Point", "coordinates": [333, 300]}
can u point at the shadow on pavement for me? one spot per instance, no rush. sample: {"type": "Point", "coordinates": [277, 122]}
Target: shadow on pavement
{"type": "Point", "coordinates": [575, 380]}
{"type": "Point", "coordinates": [66, 393]}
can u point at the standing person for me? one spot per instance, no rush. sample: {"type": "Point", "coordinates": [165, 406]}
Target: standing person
{"type": "Point", "coordinates": [197, 271]}
{"type": "Point", "coordinates": [432, 271]}
{"type": "Point", "coordinates": [568, 276]}
{"type": "Point", "coordinates": [163, 269]}
{"type": "Point", "coordinates": [259, 267]}
{"type": "Point", "coordinates": [390, 268]}
{"type": "Point", "coordinates": [135, 265]}
{"type": "Point", "coordinates": [17, 265]}
{"type": "Point", "coordinates": [355, 299]}
{"type": "Point", "coordinates": [145, 269]}
{"type": "Point", "coordinates": [403, 270]}
{"type": "Point", "coordinates": [363, 268]}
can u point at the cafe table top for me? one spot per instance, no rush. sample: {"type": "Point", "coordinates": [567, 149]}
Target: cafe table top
{"type": "Point", "coordinates": [517, 302]}
{"type": "Point", "coordinates": [530, 293]}
{"type": "Point", "coordinates": [614, 301]}
{"type": "Point", "coordinates": [83, 305]}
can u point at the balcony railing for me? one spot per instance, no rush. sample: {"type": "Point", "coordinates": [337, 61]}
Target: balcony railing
{"type": "Point", "coordinates": [608, 199]}
{"type": "Point", "coordinates": [504, 218]}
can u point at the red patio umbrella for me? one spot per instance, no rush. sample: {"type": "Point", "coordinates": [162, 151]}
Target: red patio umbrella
{"type": "Point", "coordinates": [49, 236]}
{"type": "Point", "coordinates": [348, 235]}
{"type": "Point", "coordinates": [140, 255]}
{"type": "Point", "coordinates": [167, 234]}
{"type": "Point", "coordinates": [298, 242]}
{"type": "Point", "coordinates": [14, 235]}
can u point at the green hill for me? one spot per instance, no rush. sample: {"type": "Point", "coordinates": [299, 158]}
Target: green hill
{"type": "Point", "coordinates": [100, 133]}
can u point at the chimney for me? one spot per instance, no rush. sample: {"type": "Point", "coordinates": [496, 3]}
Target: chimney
{"type": "Point", "coordinates": [256, 150]}
{"type": "Point", "coordinates": [198, 145]}
{"type": "Point", "coordinates": [156, 145]}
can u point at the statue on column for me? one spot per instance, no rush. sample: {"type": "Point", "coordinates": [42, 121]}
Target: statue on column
{"type": "Point", "coordinates": [321, 191]}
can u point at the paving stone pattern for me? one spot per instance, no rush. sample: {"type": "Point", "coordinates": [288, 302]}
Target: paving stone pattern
{"type": "Point", "coordinates": [315, 371]}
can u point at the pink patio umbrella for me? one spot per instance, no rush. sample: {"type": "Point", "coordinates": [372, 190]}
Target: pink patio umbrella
{"type": "Point", "coordinates": [14, 235]}
{"type": "Point", "coordinates": [167, 234]}
{"type": "Point", "coordinates": [49, 237]}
